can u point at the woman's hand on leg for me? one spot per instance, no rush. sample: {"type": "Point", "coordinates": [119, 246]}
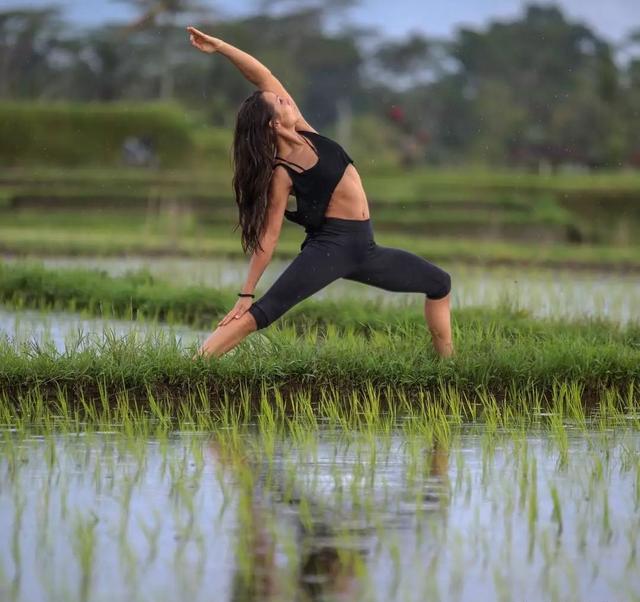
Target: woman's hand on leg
{"type": "Point", "coordinates": [241, 306]}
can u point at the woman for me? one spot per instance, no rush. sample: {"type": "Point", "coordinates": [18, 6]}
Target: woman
{"type": "Point", "coordinates": [277, 153]}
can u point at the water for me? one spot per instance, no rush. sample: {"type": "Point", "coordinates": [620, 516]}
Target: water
{"type": "Point", "coordinates": [545, 292]}
{"type": "Point", "coordinates": [338, 516]}
{"type": "Point", "coordinates": [70, 331]}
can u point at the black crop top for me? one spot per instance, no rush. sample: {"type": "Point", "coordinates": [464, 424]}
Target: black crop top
{"type": "Point", "coordinates": [313, 187]}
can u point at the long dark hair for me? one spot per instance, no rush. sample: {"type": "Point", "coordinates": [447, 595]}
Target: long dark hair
{"type": "Point", "coordinates": [254, 149]}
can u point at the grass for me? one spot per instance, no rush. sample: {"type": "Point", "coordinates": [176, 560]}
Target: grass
{"type": "Point", "coordinates": [319, 343]}
{"type": "Point", "coordinates": [411, 181]}
{"type": "Point", "coordinates": [136, 295]}
{"type": "Point", "coordinates": [161, 239]}
{"type": "Point", "coordinates": [509, 204]}
{"type": "Point", "coordinates": [141, 295]}
{"type": "Point", "coordinates": [498, 354]}
{"type": "Point", "coordinates": [369, 488]}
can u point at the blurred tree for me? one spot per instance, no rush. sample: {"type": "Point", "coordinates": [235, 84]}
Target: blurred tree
{"type": "Point", "coordinates": [500, 119]}
{"type": "Point", "coordinates": [631, 99]}
{"type": "Point", "coordinates": [318, 69]}
{"type": "Point", "coordinates": [162, 17]}
{"type": "Point", "coordinates": [534, 90]}
{"type": "Point", "coordinates": [549, 64]}
{"type": "Point", "coordinates": [406, 61]}
{"type": "Point", "coordinates": [324, 9]}
{"type": "Point", "coordinates": [406, 66]}
{"type": "Point", "coordinates": [29, 45]}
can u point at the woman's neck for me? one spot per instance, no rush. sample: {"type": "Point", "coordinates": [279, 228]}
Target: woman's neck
{"type": "Point", "coordinates": [288, 140]}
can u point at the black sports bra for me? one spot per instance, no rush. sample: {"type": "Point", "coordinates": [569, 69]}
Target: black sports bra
{"type": "Point", "coordinates": [313, 187]}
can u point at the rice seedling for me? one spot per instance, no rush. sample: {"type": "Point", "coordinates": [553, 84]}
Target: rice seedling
{"type": "Point", "coordinates": [343, 461]}
{"type": "Point", "coordinates": [107, 388]}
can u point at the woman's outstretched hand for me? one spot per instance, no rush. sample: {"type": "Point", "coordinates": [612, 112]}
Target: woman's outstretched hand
{"type": "Point", "coordinates": [241, 306]}
{"type": "Point", "coordinates": [204, 42]}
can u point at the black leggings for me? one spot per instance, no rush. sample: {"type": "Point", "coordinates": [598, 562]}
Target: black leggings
{"type": "Point", "coordinates": [345, 248]}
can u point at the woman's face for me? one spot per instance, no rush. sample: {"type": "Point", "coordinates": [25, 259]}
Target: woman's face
{"type": "Point", "coordinates": [283, 109]}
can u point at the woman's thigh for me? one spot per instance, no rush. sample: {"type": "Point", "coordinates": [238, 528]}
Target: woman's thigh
{"type": "Point", "coordinates": [401, 271]}
{"type": "Point", "coordinates": [316, 266]}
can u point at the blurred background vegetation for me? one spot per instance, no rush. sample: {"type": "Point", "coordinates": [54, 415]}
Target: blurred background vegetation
{"type": "Point", "coordinates": [527, 129]}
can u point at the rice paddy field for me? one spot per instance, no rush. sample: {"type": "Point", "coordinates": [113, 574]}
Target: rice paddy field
{"type": "Point", "coordinates": [331, 456]}
{"type": "Point", "coordinates": [450, 498]}
{"type": "Point", "coordinates": [474, 216]}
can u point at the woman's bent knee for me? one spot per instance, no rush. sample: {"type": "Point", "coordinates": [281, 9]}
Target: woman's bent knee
{"type": "Point", "coordinates": [442, 289]}
{"type": "Point", "coordinates": [251, 321]}
{"type": "Point", "coordinates": [260, 317]}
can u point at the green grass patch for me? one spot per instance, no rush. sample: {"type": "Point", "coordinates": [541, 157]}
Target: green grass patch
{"type": "Point", "coordinates": [140, 295]}
{"type": "Point", "coordinates": [318, 342]}
{"type": "Point", "coordinates": [186, 236]}
{"type": "Point", "coordinates": [495, 352]}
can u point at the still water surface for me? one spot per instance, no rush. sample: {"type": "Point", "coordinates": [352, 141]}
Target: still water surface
{"type": "Point", "coordinates": [67, 331]}
{"type": "Point", "coordinates": [337, 516]}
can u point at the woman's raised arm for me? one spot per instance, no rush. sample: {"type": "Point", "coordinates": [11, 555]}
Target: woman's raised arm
{"type": "Point", "coordinates": [257, 73]}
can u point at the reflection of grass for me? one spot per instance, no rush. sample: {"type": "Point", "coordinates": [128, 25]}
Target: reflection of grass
{"type": "Point", "coordinates": [336, 490]}
{"type": "Point", "coordinates": [84, 542]}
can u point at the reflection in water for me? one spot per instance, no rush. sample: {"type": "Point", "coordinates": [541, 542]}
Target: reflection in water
{"type": "Point", "coordinates": [330, 545]}
{"type": "Point", "coordinates": [320, 514]}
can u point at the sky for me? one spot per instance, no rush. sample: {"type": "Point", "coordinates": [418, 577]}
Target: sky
{"type": "Point", "coordinates": [612, 19]}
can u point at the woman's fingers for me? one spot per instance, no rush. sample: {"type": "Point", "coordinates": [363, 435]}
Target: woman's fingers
{"type": "Point", "coordinates": [228, 317]}
{"type": "Point", "coordinates": [202, 36]}
{"type": "Point", "coordinates": [202, 41]}
{"type": "Point", "coordinates": [194, 33]}
{"type": "Point", "coordinates": [236, 312]}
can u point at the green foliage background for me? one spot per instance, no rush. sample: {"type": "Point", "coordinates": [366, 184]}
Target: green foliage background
{"type": "Point", "coordinates": [539, 90]}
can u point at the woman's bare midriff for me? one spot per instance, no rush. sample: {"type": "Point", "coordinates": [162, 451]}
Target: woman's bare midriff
{"type": "Point", "coordinates": [349, 200]}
